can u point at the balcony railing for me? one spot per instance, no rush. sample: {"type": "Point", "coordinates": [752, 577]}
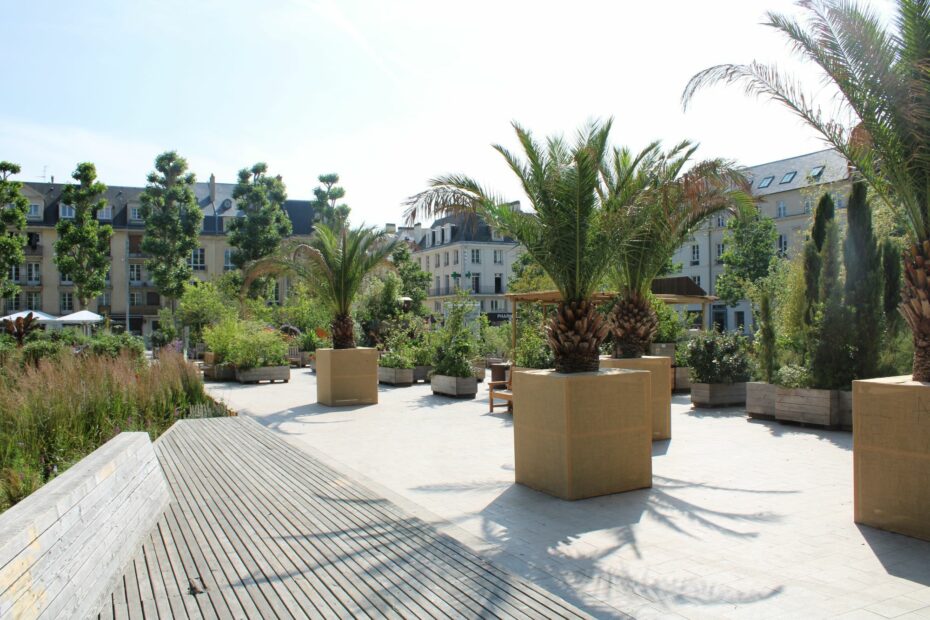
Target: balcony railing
{"type": "Point", "coordinates": [34, 250]}
{"type": "Point", "coordinates": [479, 290]}
{"type": "Point", "coordinates": [145, 309]}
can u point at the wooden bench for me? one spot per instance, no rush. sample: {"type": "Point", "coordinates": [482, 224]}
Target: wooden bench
{"type": "Point", "coordinates": [64, 548]}
{"type": "Point", "coordinates": [500, 390]}
{"type": "Point", "coordinates": [295, 357]}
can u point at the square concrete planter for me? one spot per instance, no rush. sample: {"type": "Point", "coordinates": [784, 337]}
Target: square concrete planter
{"type": "Point", "coordinates": [891, 455]}
{"type": "Point", "coordinates": [808, 406]}
{"type": "Point", "coordinates": [760, 400]}
{"type": "Point", "coordinates": [660, 371]}
{"type": "Point", "coordinates": [347, 376]}
{"type": "Point", "coordinates": [584, 434]}
{"type": "Point", "coordinates": [395, 376]}
{"type": "Point", "coordinates": [682, 379]}
{"type": "Point", "coordinates": [421, 373]}
{"type": "Point", "coordinates": [267, 373]}
{"type": "Point", "coordinates": [460, 387]}
{"type": "Point", "coordinates": [718, 394]}
{"type": "Point", "coordinates": [664, 349]}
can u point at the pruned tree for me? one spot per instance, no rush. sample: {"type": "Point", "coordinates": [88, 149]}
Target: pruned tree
{"type": "Point", "coordinates": [324, 202]}
{"type": "Point", "coordinates": [82, 250]}
{"type": "Point", "coordinates": [172, 224]}
{"type": "Point", "coordinates": [264, 224]}
{"type": "Point", "coordinates": [13, 209]}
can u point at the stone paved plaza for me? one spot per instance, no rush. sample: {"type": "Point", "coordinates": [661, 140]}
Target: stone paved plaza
{"type": "Point", "coordinates": [745, 519]}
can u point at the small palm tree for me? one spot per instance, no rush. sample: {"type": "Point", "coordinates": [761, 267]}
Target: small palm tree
{"type": "Point", "coordinates": [655, 205]}
{"type": "Point", "coordinates": [884, 83]}
{"type": "Point", "coordinates": [334, 264]}
{"type": "Point", "coordinates": [568, 235]}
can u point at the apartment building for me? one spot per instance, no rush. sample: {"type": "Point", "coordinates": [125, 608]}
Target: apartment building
{"type": "Point", "coordinates": [788, 191]}
{"type": "Point", "coordinates": [466, 254]}
{"type": "Point", "coordinates": [130, 293]}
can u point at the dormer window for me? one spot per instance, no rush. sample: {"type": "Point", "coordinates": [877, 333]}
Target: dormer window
{"type": "Point", "coordinates": [135, 214]}
{"type": "Point", "coordinates": [788, 178]}
{"type": "Point", "coordinates": [766, 182]}
{"type": "Point", "coordinates": [35, 212]}
{"type": "Point", "coordinates": [106, 213]}
{"type": "Point", "coordinates": [66, 212]}
{"type": "Point", "coordinates": [816, 172]}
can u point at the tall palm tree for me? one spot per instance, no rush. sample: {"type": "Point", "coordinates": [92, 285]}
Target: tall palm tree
{"type": "Point", "coordinates": [568, 235]}
{"type": "Point", "coordinates": [884, 84]}
{"type": "Point", "coordinates": [334, 264]}
{"type": "Point", "coordinates": [655, 204]}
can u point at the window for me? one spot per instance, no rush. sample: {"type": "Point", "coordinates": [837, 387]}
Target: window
{"type": "Point", "coordinates": [816, 172]}
{"type": "Point", "coordinates": [498, 257]}
{"type": "Point", "coordinates": [445, 259]}
{"type": "Point", "coordinates": [782, 246]}
{"type": "Point", "coordinates": [65, 212]}
{"type": "Point", "coordinates": [67, 302]}
{"type": "Point", "coordinates": [496, 236]}
{"type": "Point", "coordinates": [135, 214]}
{"type": "Point", "coordinates": [696, 280]}
{"type": "Point", "coordinates": [766, 182]}
{"type": "Point", "coordinates": [721, 221]}
{"type": "Point", "coordinates": [14, 273]}
{"type": "Point", "coordinates": [66, 279]}
{"type": "Point", "coordinates": [740, 317]}
{"type": "Point", "coordinates": [199, 260]}
{"type": "Point", "coordinates": [446, 286]}
{"type": "Point", "coordinates": [436, 306]}
{"type": "Point", "coordinates": [135, 273]}
{"type": "Point", "coordinates": [455, 257]}
{"type": "Point", "coordinates": [135, 298]}
{"type": "Point", "coordinates": [721, 248]}
{"type": "Point", "coordinates": [34, 212]}
{"type": "Point", "coordinates": [476, 283]}
{"type": "Point", "coordinates": [495, 304]}
{"type": "Point", "coordinates": [12, 303]}
{"type": "Point", "coordinates": [498, 283]}
{"type": "Point", "coordinates": [227, 259]}
{"type": "Point", "coordinates": [432, 238]}
{"type": "Point", "coordinates": [838, 201]}
{"type": "Point", "coordinates": [789, 177]}
{"type": "Point", "coordinates": [420, 262]}
{"type": "Point", "coordinates": [435, 260]}
{"type": "Point", "coordinates": [106, 213]}
{"type": "Point", "coordinates": [33, 300]}
{"type": "Point", "coordinates": [695, 254]}
{"type": "Point", "coordinates": [436, 292]}
{"type": "Point", "coordinates": [476, 256]}
{"type": "Point", "coordinates": [780, 209]}
{"type": "Point", "coordinates": [481, 305]}
{"type": "Point", "coordinates": [104, 299]}
{"type": "Point", "coordinates": [807, 205]}
{"type": "Point", "coordinates": [32, 273]}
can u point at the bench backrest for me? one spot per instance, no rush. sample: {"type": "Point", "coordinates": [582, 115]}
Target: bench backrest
{"type": "Point", "coordinates": [63, 548]}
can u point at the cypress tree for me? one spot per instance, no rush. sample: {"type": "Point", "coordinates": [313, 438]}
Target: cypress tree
{"type": "Point", "coordinates": [891, 283]}
{"type": "Point", "coordinates": [832, 359]}
{"type": "Point", "coordinates": [823, 215]}
{"type": "Point", "coordinates": [863, 282]}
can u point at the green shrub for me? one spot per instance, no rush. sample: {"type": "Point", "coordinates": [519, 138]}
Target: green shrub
{"type": "Point", "coordinates": [671, 326]}
{"type": "Point", "coordinates": [114, 345]}
{"type": "Point", "coordinates": [532, 350]}
{"type": "Point", "coordinates": [38, 350]}
{"type": "Point", "coordinates": [793, 376]}
{"type": "Point", "coordinates": [309, 341]}
{"type": "Point", "coordinates": [219, 337]}
{"type": "Point", "coordinates": [425, 350]}
{"type": "Point", "coordinates": [718, 358]}
{"type": "Point", "coordinates": [257, 349]}
{"type": "Point", "coordinates": [456, 344]}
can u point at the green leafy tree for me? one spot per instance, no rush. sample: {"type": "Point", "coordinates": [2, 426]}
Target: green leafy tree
{"type": "Point", "coordinates": [881, 75]}
{"type": "Point", "coordinates": [334, 265]}
{"type": "Point", "coordinates": [83, 247]}
{"type": "Point", "coordinates": [415, 281]}
{"type": "Point", "coordinates": [325, 199]}
{"type": "Point", "coordinates": [172, 224]}
{"type": "Point", "coordinates": [568, 234]}
{"type": "Point", "coordinates": [264, 224]}
{"type": "Point", "coordinates": [750, 249]}
{"type": "Point", "coordinates": [13, 210]}
{"type": "Point", "coordinates": [863, 282]}
{"type": "Point", "coordinates": [203, 304]}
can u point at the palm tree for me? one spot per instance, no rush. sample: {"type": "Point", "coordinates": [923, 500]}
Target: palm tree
{"type": "Point", "coordinates": [568, 235]}
{"type": "Point", "coordinates": [334, 264]}
{"type": "Point", "coordinates": [655, 205]}
{"type": "Point", "coordinates": [884, 84]}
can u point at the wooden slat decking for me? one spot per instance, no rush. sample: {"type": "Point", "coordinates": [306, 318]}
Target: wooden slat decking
{"type": "Point", "coordinates": [263, 530]}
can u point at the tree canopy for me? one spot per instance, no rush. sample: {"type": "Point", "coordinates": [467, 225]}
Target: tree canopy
{"type": "Point", "coordinates": [263, 224]}
{"type": "Point", "coordinates": [13, 210]}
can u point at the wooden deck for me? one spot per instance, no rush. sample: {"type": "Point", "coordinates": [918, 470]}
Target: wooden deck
{"type": "Point", "coordinates": [262, 530]}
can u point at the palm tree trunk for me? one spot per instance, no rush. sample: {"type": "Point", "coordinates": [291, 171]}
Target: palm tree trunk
{"type": "Point", "coordinates": [633, 325]}
{"type": "Point", "coordinates": [915, 305]}
{"type": "Point", "coordinates": [575, 334]}
{"type": "Point", "coordinates": [343, 332]}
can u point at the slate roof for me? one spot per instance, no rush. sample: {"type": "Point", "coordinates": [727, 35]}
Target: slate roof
{"type": "Point", "coordinates": [835, 168]}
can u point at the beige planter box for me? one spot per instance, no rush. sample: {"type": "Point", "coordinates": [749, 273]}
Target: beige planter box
{"type": "Point", "coordinates": [395, 376]}
{"type": "Point", "coordinates": [209, 358]}
{"type": "Point", "coordinates": [660, 371]}
{"type": "Point", "coordinates": [891, 455]}
{"type": "Point", "coordinates": [460, 387]}
{"type": "Point", "coordinates": [808, 406]}
{"type": "Point", "coordinates": [682, 379]}
{"type": "Point", "coordinates": [760, 400]}
{"type": "Point", "coordinates": [347, 376]}
{"type": "Point", "coordinates": [584, 434]}
{"type": "Point", "coordinates": [268, 373]}
{"type": "Point", "coordinates": [664, 349]}
{"type": "Point", "coordinates": [718, 394]}
{"type": "Point", "coordinates": [421, 373]}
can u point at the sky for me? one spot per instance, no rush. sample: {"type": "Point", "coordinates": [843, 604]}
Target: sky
{"type": "Point", "coordinates": [386, 94]}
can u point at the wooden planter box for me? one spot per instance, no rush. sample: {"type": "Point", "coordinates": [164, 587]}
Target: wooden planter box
{"type": "Point", "coordinates": [682, 379]}
{"type": "Point", "coordinates": [421, 373]}
{"type": "Point", "coordinates": [891, 455]}
{"type": "Point", "coordinates": [268, 373]}
{"type": "Point", "coordinates": [584, 434]}
{"type": "Point", "coordinates": [660, 371]}
{"type": "Point", "coordinates": [718, 394]}
{"type": "Point", "coordinates": [809, 406]}
{"type": "Point", "coordinates": [664, 349]}
{"type": "Point", "coordinates": [760, 400]}
{"type": "Point", "coordinates": [460, 387]}
{"type": "Point", "coordinates": [347, 376]}
{"type": "Point", "coordinates": [219, 372]}
{"type": "Point", "coordinates": [209, 358]}
{"type": "Point", "coordinates": [395, 376]}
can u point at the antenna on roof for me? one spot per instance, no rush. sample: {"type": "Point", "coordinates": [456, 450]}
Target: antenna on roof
{"type": "Point", "coordinates": [44, 170]}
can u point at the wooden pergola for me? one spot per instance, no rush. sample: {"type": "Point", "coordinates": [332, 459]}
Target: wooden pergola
{"type": "Point", "coordinates": [547, 298]}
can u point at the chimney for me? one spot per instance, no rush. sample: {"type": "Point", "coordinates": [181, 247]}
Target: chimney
{"type": "Point", "coordinates": [212, 189]}
{"type": "Point", "coordinates": [417, 230]}
{"type": "Point", "coordinates": [390, 228]}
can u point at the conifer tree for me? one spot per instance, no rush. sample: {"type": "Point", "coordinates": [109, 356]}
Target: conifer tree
{"type": "Point", "coordinates": [82, 250]}
{"type": "Point", "coordinates": [13, 210]}
{"type": "Point", "coordinates": [324, 202]}
{"type": "Point", "coordinates": [172, 224]}
{"type": "Point", "coordinates": [260, 198]}
{"type": "Point", "coordinates": [891, 283]}
{"type": "Point", "coordinates": [863, 281]}
{"type": "Point", "coordinates": [823, 215]}
{"type": "Point", "coordinates": [833, 356]}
